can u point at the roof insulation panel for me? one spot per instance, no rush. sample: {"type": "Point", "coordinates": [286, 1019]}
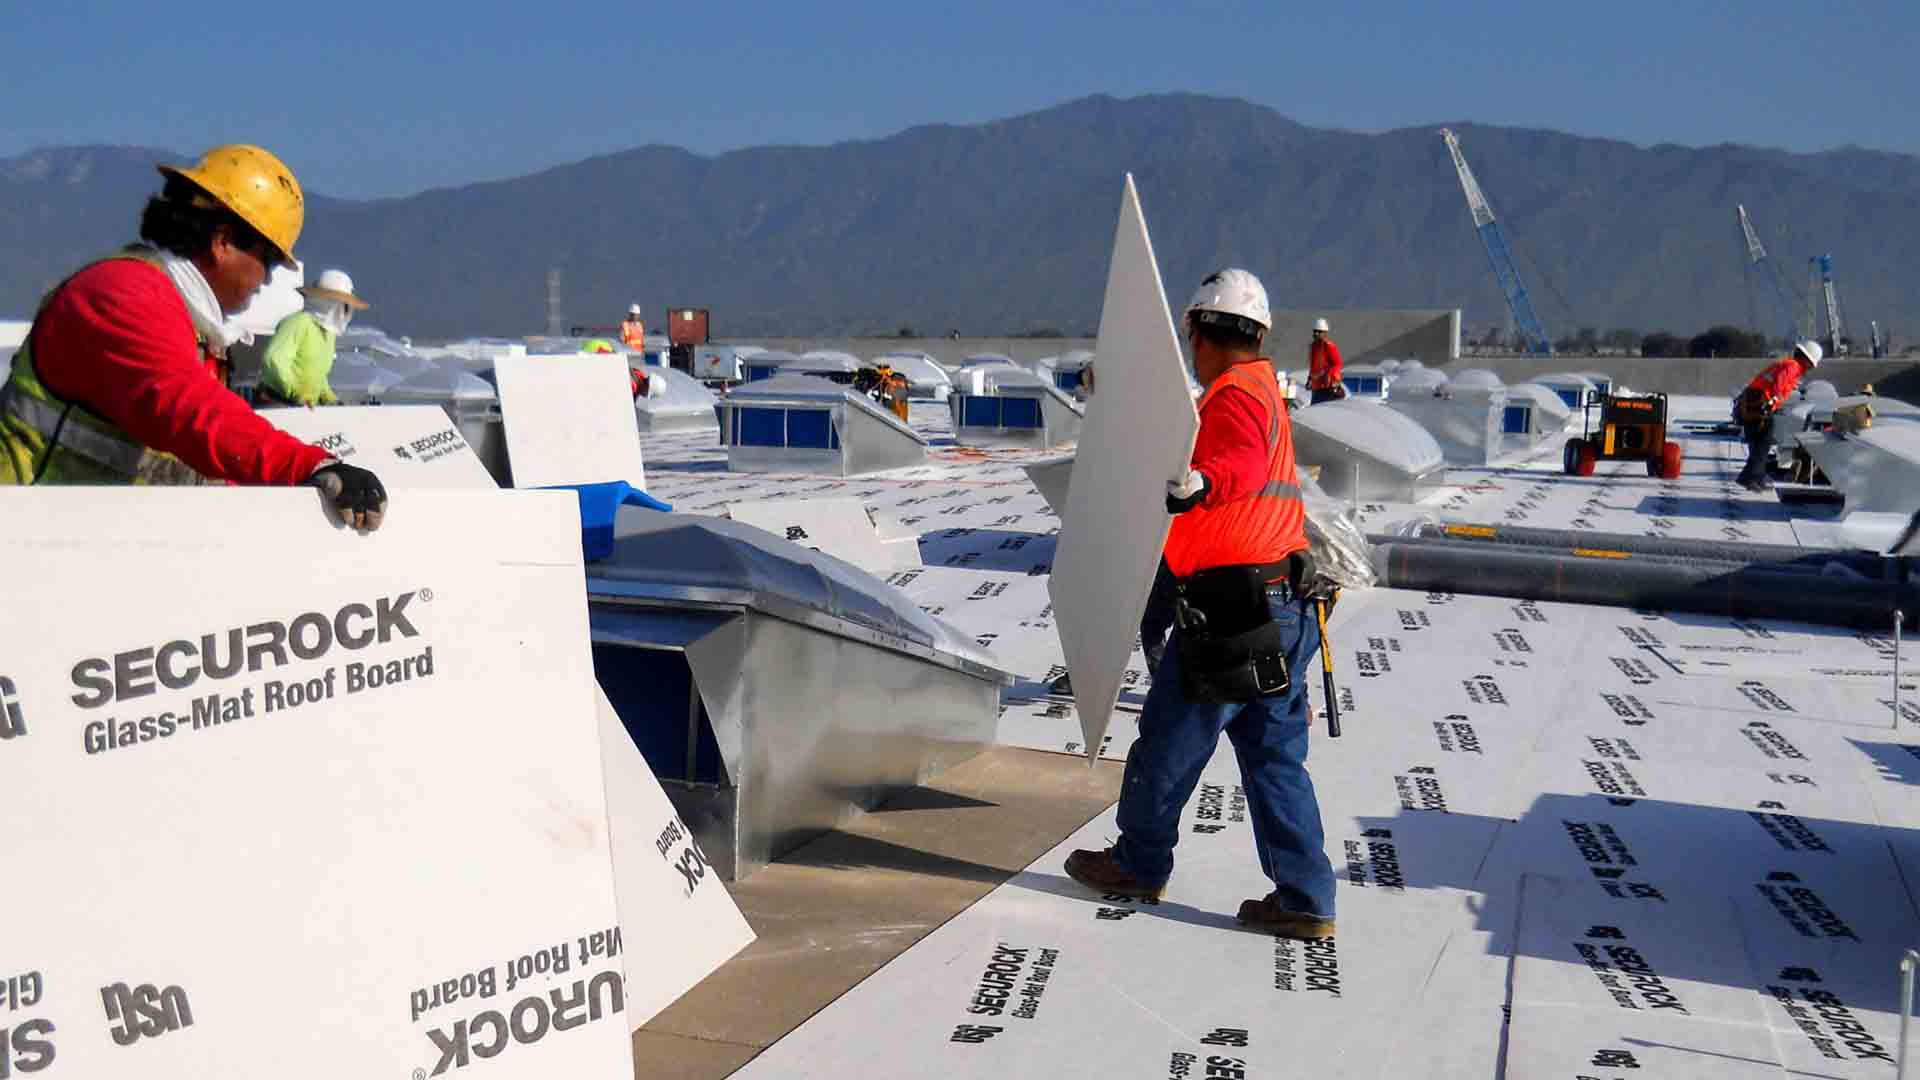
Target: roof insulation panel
{"type": "Point", "coordinates": [1551, 822]}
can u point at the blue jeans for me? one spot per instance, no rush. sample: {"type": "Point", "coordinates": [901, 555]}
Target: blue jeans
{"type": "Point", "coordinates": [1178, 736]}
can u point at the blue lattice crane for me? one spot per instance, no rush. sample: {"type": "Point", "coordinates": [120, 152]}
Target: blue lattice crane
{"type": "Point", "coordinates": [1499, 255]}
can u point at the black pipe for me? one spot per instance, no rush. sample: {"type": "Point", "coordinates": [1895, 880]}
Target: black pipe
{"type": "Point", "coordinates": [1777, 556]}
{"type": "Point", "coordinates": [1663, 584]}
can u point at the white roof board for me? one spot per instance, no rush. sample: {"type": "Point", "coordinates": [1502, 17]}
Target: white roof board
{"type": "Point", "coordinates": [1137, 436]}
{"type": "Point", "coordinates": [283, 741]}
{"type": "Point", "coordinates": [407, 446]}
{"type": "Point", "coordinates": [689, 922]}
{"type": "Point", "coordinates": [569, 420]}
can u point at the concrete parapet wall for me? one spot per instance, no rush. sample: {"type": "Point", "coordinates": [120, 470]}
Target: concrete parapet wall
{"type": "Point", "coordinates": [1721, 375]}
{"type": "Point", "coordinates": [1370, 335]}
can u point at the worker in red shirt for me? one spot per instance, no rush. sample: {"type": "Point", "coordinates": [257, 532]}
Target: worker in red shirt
{"type": "Point", "coordinates": [1238, 656]}
{"type": "Point", "coordinates": [1323, 366]}
{"type": "Point", "coordinates": [1755, 406]}
{"type": "Point", "coordinates": [122, 378]}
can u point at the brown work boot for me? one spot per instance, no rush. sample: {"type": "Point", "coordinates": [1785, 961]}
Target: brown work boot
{"type": "Point", "coordinates": [1267, 916]}
{"type": "Point", "coordinates": [1098, 871]}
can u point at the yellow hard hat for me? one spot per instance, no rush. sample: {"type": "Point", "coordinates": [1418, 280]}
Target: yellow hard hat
{"type": "Point", "coordinates": [253, 184]}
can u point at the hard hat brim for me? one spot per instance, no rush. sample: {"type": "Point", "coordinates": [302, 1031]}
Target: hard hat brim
{"type": "Point", "coordinates": [348, 299]}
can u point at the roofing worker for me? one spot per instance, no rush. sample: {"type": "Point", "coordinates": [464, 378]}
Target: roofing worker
{"type": "Point", "coordinates": [1755, 406]}
{"type": "Point", "coordinates": [121, 378]}
{"type": "Point", "coordinates": [633, 332]}
{"type": "Point", "coordinates": [300, 356]}
{"type": "Point", "coordinates": [1323, 366]}
{"type": "Point", "coordinates": [1238, 656]}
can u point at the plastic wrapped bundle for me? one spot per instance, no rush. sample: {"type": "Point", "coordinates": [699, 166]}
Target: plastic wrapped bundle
{"type": "Point", "coordinates": [1340, 549]}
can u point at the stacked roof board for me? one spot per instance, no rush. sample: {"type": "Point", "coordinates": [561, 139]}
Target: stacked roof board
{"type": "Point", "coordinates": [1572, 840]}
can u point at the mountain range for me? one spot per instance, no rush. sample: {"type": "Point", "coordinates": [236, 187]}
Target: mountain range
{"type": "Point", "coordinates": [1006, 227]}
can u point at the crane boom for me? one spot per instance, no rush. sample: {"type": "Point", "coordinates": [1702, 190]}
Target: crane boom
{"type": "Point", "coordinates": [1755, 250]}
{"type": "Point", "coordinates": [1835, 342]}
{"type": "Point", "coordinates": [1756, 256]}
{"type": "Point", "coordinates": [1498, 254]}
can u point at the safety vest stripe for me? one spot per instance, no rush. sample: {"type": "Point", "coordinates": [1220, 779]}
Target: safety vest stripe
{"type": "Point", "coordinates": [64, 431]}
{"type": "Point", "coordinates": [1276, 490]}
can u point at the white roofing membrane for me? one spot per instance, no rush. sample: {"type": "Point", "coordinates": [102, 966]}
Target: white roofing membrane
{"type": "Point", "coordinates": [1571, 840]}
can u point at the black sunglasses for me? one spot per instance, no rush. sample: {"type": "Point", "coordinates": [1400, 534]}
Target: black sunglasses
{"type": "Point", "coordinates": [260, 248]}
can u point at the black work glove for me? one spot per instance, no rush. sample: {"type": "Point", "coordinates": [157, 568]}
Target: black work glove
{"type": "Point", "coordinates": [356, 494]}
{"type": "Point", "coordinates": [1187, 492]}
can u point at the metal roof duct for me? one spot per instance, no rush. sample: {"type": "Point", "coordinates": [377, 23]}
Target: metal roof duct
{"type": "Point", "coordinates": [1366, 451]}
{"type": "Point", "coordinates": [685, 405]}
{"type": "Point", "coordinates": [1465, 427]}
{"type": "Point", "coordinates": [829, 363]}
{"type": "Point", "coordinates": [1476, 379]}
{"type": "Point", "coordinates": [1000, 405]}
{"type": "Point", "coordinates": [765, 364]}
{"type": "Point", "coordinates": [1571, 388]}
{"type": "Point", "coordinates": [765, 681]}
{"type": "Point", "coordinates": [1366, 380]}
{"type": "Point", "coordinates": [805, 424]}
{"type": "Point", "coordinates": [1412, 379]}
{"type": "Point", "coordinates": [1877, 469]}
{"type": "Point", "coordinates": [926, 379]}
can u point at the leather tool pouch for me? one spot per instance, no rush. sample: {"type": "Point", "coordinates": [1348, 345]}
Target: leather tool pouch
{"type": "Point", "coordinates": [1751, 408]}
{"type": "Point", "coordinates": [1230, 647]}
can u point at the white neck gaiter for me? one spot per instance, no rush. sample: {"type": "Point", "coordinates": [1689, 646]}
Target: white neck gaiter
{"type": "Point", "coordinates": [332, 315]}
{"type": "Point", "coordinates": [208, 320]}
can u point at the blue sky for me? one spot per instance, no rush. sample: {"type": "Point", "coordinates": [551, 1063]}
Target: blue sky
{"type": "Point", "coordinates": [368, 99]}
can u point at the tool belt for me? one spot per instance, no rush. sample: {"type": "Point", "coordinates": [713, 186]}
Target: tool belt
{"type": "Point", "coordinates": [1751, 406]}
{"type": "Point", "coordinates": [1230, 646]}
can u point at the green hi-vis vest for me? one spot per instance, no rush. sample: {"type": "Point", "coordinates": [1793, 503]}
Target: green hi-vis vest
{"type": "Point", "coordinates": [47, 440]}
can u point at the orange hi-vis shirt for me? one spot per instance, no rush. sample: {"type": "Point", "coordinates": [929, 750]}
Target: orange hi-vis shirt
{"type": "Point", "coordinates": [1323, 365]}
{"type": "Point", "coordinates": [1262, 525]}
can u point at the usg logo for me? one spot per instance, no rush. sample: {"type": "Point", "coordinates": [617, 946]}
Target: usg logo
{"type": "Point", "coordinates": [26, 1049]}
{"type": "Point", "coordinates": [13, 722]}
{"type": "Point", "coordinates": [144, 1012]}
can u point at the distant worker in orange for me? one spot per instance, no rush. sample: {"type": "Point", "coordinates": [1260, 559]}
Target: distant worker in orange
{"type": "Point", "coordinates": [633, 332]}
{"type": "Point", "coordinates": [1323, 365]}
{"type": "Point", "coordinates": [1755, 406]}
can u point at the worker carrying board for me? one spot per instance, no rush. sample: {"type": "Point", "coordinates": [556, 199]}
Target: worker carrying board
{"type": "Point", "coordinates": [1753, 410]}
{"type": "Point", "coordinates": [122, 378]}
{"type": "Point", "coordinates": [1324, 365]}
{"type": "Point", "coordinates": [1237, 659]}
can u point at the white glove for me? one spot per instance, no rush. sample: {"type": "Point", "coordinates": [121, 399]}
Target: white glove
{"type": "Point", "coordinates": [1187, 492]}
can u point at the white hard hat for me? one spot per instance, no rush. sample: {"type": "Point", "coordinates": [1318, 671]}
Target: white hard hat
{"type": "Point", "coordinates": [1811, 350]}
{"type": "Point", "coordinates": [633, 309]}
{"type": "Point", "coordinates": [334, 285]}
{"type": "Point", "coordinates": [1232, 292]}
{"type": "Point", "coordinates": [1321, 325]}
